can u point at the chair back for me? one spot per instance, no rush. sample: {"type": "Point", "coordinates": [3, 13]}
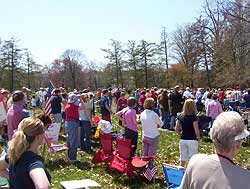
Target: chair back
{"type": "Point", "coordinates": [173, 175]}
{"type": "Point", "coordinates": [124, 147]}
{"type": "Point", "coordinates": [48, 141]}
{"type": "Point", "coordinates": [106, 142]}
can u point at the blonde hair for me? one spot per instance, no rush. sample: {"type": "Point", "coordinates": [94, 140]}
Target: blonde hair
{"type": "Point", "coordinates": [225, 128]}
{"type": "Point", "coordinates": [149, 103]}
{"type": "Point", "coordinates": [27, 130]}
{"type": "Point", "coordinates": [189, 108]}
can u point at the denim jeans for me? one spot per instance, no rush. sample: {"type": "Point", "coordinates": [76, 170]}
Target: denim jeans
{"type": "Point", "coordinates": [57, 117]}
{"type": "Point", "coordinates": [165, 118]}
{"type": "Point", "coordinates": [71, 128]}
{"type": "Point", "coordinates": [149, 146]}
{"type": "Point", "coordinates": [85, 135]}
{"type": "Point", "coordinates": [172, 121]}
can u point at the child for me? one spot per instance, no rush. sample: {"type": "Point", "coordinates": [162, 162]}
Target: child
{"type": "Point", "coordinates": [33, 103]}
{"type": "Point", "coordinates": [128, 116]}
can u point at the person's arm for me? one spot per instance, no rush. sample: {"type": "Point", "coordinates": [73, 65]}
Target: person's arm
{"type": "Point", "coordinates": [170, 106]}
{"type": "Point", "coordinates": [178, 127]}
{"type": "Point", "coordinates": [88, 114]}
{"type": "Point", "coordinates": [196, 130]}
{"type": "Point", "coordinates": [119, 115]}
{"type": "Point", "coordinates": [82, 107]}
{"type": "Point", "coordinates": [39, 178]}
{"type": "Point", "coordinates": [158, 120]}
{"type": "Point", "coordinates": [3, 168]}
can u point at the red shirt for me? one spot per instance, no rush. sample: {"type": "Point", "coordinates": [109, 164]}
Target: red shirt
{"type": "Point", "coordinates": [142, 99]}
{"type": "Point", "coordinates": [121, 103]}
{"type": "Point", "coordinates": [221, 95]}
{"type": "Point", "coordinates": [71, 111]}
{"type": "Point", "coordinates": [154, 95]}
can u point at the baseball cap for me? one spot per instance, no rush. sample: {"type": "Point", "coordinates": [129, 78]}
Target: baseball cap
{"type": "Point", "coordinates": [72, 98]}
{"type": "Point", "coordinates": [243, 135]}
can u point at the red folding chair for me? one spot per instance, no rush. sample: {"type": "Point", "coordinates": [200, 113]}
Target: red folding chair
{"type": "Point", "coordinates": [105, 154]}
{"type": "Point", "coordinates": [121, 161]}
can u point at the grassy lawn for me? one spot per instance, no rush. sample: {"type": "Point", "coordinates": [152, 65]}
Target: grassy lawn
{"type": "Point", "coordinates": [168, 152]}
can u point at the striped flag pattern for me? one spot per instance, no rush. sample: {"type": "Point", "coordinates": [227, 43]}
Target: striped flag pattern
{"type": "Point", "coordinates": [150, 173]}
{"type": "Point", "coordinates": [47, 102]}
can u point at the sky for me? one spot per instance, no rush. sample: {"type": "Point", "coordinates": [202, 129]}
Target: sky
{"type": "Point", "coordinates": [49, 27]}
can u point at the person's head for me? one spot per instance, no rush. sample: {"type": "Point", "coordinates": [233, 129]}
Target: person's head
{"type": "Point", "coordinates": [33, 96]}
{"type": "Point", "coordinates": [149, 104]}
{"type": "Point", "coordinates": [18, 98]}
{"type": "Point", "coordinates": [227, 132]}
{"type": "Point", "coordinates": [85, 97]}
{"type": "Point", "coordinates": [45, 119]}
{"type": "Point", "coordinates": [248, 91]}
{"type": "Point", "coordinates": [72, 98]}
{"type": "Point", "coordinates": [214, 96]}
{"type": "Point", "coordinates": [30, 132]}
{"type": "Point", "coordinates": [131, 102]}
{"type": "Point", "coordinates": [143, 92]}
{"type": "Point", "coordinates": [189, 107]}
{"type": "Point", "coordinates": [176, 88]}
{"type": "Point", "coordinates": [209, 95]}
{"type": "Point", "coordinates": [122, 95]}
{"type": "Point", "coordinates": [187, 89]}
{"type": "Point", "coordinates": [105, 92]}
{"type": "Point", "coordinates": [57, 91]}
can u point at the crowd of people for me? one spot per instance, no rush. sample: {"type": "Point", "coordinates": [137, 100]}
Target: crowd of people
{"type": "Point", "coordinates": [169, 109]}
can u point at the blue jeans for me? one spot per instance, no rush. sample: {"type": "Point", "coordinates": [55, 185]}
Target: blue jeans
{"type": "Point", "coordinates": [57, 117]}
{"type": "Point", "coordinates": [165, 118]}
{"type": "Point", "coordinates": [172, 121]}
{"type": "Point", "coordinates": [71, 128]}
{"type": "Point", "coordinates": [85, 136]}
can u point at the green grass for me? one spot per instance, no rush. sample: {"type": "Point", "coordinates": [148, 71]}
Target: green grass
{"type": "Point", "coordinates": [168, 152]}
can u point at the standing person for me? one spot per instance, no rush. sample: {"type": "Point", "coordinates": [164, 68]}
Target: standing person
{"type": "Point", "coordinates": [187, 94]}
{"type": "Point", "coordinates": [128, 116]}
{"type": "Point", "coordinates": [121, 103]}
{"type": "Point", "coordinates": [92, 104]}
{"type": "Point", "coordinates": [214, 108]}
{"type": "Point", "coordinates": [221, 95]}
{"type": "Point", "coordinates": [246, 98]}
{"type": "Point", "coordinates": [204, 97]}
{"type": "Point", "coordinates": [150, 123]}
{"type": "Point", "coordinates": [85, 123]}
{"type": "Point", "coordinates": [56, 107]}
{"type": "Point", "coordinates": [142, 100]}
{"type": "Point", "coordinates": [163, 101]}
{"type": "Point", "coordinates": [99, 93]}
{"type": "Point", "coordinates": [16, 113]}
{"type": "Point", "coordinates": [71, 126]}
{"type": "Point", "coordinates": [105, 106]}
{"type": "Point", "coordinates": [219, 170]}
{"type": "Point", "coordinates": [27, 168]}
{"type": "Point", "coordinates": [188, 129]}
{"type": "Point", "coordinates": [175, 105]}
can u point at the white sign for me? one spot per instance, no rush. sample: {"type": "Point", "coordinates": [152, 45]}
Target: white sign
{"type": "Point", "coordinates": [53, 132]}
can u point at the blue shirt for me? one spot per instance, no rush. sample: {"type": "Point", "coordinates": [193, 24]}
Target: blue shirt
{"type": "Point", "coordinates": [82, 113]}
{"type": "Point", "coordinates": [19, 177]}
{"type": "Point", "coordinates": [104, 101]}
{"type": "Point", "coordinates": [247, 99]}
{"type": "Point", "coordinates": [56, 106]}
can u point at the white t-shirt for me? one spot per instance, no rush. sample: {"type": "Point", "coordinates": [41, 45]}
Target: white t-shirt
{"type": "Point", "coordinates": [150, 121]}
{"type": "Point", "coordinates": [187, 94]}
{"type": "Point", "coordinates": [33, 102]}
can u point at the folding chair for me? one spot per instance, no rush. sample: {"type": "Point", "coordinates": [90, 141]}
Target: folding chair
{"type": "Point", "coordinates": [173, 175]}
{"type": "Point", "coordinates": [105, 154]}
{"type": "Point", "coordinates": [121, 160]}
{"type": "Point", "coordinates": [55, 148]}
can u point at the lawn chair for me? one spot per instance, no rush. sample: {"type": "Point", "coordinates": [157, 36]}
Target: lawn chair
{"type": "Point", "coordinates": [105, 154]}
{"type": "Point", "coordinates": [173, 175]}
{"type": "Point", "coordinates": [55, 148]}
{"type": "Point", "coordinates": [204, 123]}
{"type": "Point", "coordinates": [142, 168]}
{"type": "Point", "coordinates": [121, 160]}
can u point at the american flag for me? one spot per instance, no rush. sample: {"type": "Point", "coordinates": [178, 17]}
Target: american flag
{"type": "Point", "coordinates": [150, 173]}
{"type": "Point", "coordinates": [48, 104]}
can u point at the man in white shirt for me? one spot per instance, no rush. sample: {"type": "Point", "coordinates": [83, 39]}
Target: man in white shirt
{"type": "Point", "coordinates": [187, 94]}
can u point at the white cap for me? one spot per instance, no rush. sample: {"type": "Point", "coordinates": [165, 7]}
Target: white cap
{"type": "Point", "coordinates": [243, 135]}
{"type": "Point", "coordinates": [187, 88]}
